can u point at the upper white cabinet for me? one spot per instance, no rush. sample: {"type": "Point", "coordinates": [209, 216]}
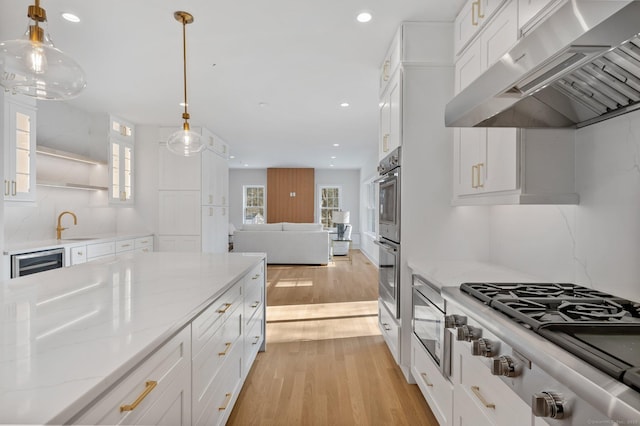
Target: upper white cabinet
{"type": "Point", "coordinates": [19, 133]}
{"type": "Point", "coordinates": [390, 114]}
{"type": "Point", "coordinates": [215, 179]}
{"type": "Point", "coordinates": [473, 16]}
{"type": "Point", "coordinates": [530, 12]}
{"type": "Point", "coordinates": [121, 161]}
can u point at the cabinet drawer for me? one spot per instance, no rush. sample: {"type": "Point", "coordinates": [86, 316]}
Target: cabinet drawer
{"type": "Point", "coordinates": [253, 339]}
{"type": "Point", "coordinates": [217, 403]}
{"type": "Point", "coordinates": [209, 321]}
{"type": "Point", "coordinates": [100, 249]}
{"type": "Point", "coordinates": [389, 329]}
{"type": "Point", "coordinates": [125, 245]}
{"type": "Point", "coordinates": [436, 389]}
{"type": "Point", "coordinates": [213, 359]}
{"type": "Point", "coordinates": [167, 368]}
{"type": "Point", "coordinates": [78, 255]}
{"type": "Point", "coordinates": [493, 397]}
{"type": "Point", "coordinates": [143, 242]}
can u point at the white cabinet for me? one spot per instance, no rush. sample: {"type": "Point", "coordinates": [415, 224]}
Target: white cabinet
{"type": "Point", "coordinates": [121, 161]}
{"type": "Point", "coordinates": [144, 244]}
{"type": "Point", "coordinates": [254, 320]}
{"type": "Point", "coordinates": [390, 113]}
{"type": "Point", "coordinates": [390, 330]}
{"type": "Point", "coordinates": [194, 198]}
{"type": "Point", "coordinates": [157, 392]}
{"type": "Point", "coordinates": [437, 390]}
{"type": "Point", "coordinates": [78, 255]}
{"type": "Point", "coordinates": [500, 34]}
{"type": "Point", "coordinates": [101, 250]}
{"type": "Point", "coordinates": [530, 12]}
{"type": "Point", "coordinates": [472, 18]}
{"type": "Point", "coordinates": [19, 134]}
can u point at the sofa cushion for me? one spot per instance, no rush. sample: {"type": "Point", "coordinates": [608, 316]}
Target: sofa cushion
{"type": "Point", "coordinates": [286, 226]}
{"type": "Point", "coordinates": [262, 227]}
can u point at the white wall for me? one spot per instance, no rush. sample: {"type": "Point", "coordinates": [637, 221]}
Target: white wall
{"type": "Point", "coordinates": [349, 181]}
{"type": "Point", "coordinates": [237, 179]}
{"type": "Point", "coordinates": [596, 243]}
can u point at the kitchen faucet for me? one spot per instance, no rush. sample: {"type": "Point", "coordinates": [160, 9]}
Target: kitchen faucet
{"type": "Point", "coordinates": [59, 229]}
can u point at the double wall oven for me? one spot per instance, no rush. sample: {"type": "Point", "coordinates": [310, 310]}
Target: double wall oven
{"type": "Point", "coordinates": [389, 232]}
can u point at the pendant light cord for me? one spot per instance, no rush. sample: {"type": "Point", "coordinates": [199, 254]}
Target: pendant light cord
{"type": "Point", "coordinates": [184, 66]}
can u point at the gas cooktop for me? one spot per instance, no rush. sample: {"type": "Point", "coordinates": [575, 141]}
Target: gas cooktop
{"type": "Point", "coordinates": [601, 329]}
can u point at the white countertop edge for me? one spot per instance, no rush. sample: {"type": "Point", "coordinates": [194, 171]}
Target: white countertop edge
{"type": "Point", "coordinates": [32, 246]}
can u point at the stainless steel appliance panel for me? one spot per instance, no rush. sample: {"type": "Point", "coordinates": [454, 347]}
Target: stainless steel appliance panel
{"type": "Point", "coordinates": [389, 275]}
{"type": "Point", "coordinates": [34, 262]}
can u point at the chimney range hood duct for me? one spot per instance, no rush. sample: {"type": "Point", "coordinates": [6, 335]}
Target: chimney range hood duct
{"type": "Point", "coordinates": [575, 69]}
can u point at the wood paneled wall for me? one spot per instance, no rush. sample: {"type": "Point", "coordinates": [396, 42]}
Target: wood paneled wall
{"type": "Point", "coordinates": [290, 195]}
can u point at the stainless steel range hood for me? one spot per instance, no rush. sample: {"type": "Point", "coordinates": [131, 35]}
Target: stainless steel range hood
{"type": "Point", "coordinates": [575, 69]}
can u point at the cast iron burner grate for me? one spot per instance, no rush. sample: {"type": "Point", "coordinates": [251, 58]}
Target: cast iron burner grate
{"type": "Point", "coordinates": [488, 292]}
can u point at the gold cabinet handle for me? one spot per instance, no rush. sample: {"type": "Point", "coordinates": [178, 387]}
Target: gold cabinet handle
{"type": "Point", "coordinates": [6, 187]}
{"type": "Point", "coordinates": [210, 199]}
{"type": "Point", "coordinates": [14, 190]}
{"type": "Point", "coordinates": [227, 399]}
{"type": "Point", "coordinates": [226, 349]}
{"type": "Point", "coordinates": [126, 245]}
{"type": "Point", "coordinates": [385, 142]}
{"type": "Point", "coordinates": [80, 253]}
{"type": "Point", "coordinates": [225, 309]}
{"type": "Point", "coordinates": [149, 386]}
{"type": "Point", "coordinates": [210, 211]}
{"type": "Point", "coordinates": [473, 176]}
{"type": "Point", "coordinates": [385, 70]}
{"type": "Point", "coordinates": [476, 392]}
{"type": "Point", "coordinates": [426, 379]}
{"type": "Point", "coordinates": [224, 199]}
{"type": "Point", "coordinates": [386, 327]}
{"type": "Point", "coordinates": [255, 304]}
{"type": "Point", "coordinates": [480, 14]}
{"type": "Point", "coordinates": [474, 18]}
{"type": "Point", "coordinates": [146, 250]}
{"type": "Point", "coordinates": [257, 340]}
{"type": "Point", "coordinates": [480, 185]}
{"type": "Point", "coordinates": [255, 277]}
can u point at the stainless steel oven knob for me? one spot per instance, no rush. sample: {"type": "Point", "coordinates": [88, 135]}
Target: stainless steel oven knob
{"type": "Point", "coordinates": [505, 366]}
{"type": "Point", "coordinates": [549, 404]}
{"type": "Point", "coordinates": [452, 321]}
{"type": "Point", "coordinates": [469, 333]}
{"type": "Point", "coordinates": [483, 347]}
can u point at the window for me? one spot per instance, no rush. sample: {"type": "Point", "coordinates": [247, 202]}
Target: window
{"type": "Point", "coordinates": [330, 200]}
{"type": "Point", "coordinates": [252, 202]}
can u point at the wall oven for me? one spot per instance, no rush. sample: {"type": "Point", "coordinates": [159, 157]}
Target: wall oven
{"type": "Point", "coordinates": [389, 197]}
{"type": "Point", "coordinates": [389, 276]}
{"type": "Point", "coordinates": [39, 261]}
{"type": "Point", "coordinates": [429, 322]}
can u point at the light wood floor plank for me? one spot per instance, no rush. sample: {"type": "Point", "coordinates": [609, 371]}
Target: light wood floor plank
{"type": "Point", "coordinates": [326, 362]}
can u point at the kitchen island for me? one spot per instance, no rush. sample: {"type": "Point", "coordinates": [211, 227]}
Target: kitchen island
{"type": "Point", "coordinates": [69, 337]}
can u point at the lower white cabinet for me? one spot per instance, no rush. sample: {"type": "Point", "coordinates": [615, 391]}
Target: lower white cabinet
{"type": "Point", "coordinates": [215, 223]}
{"type": "Point", "coordinates": [78, 255]}
{"type": "Point", "coordinates": [144, 244]}
{"type": "Point", "coordinates": [100, 250]}
{"type": "Point", "coordinates": [437, 390]}
{"type": "Point", "coordinates": [390, 330]}
{"type": "Point", "coordinates": [158, 391]}
{"type": "Point", "coordinates": [195, 377]}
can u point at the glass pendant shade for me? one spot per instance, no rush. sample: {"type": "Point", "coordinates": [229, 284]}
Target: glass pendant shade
{"type": "Point", "coordinates": [33, 66]}
{"type": "Point", "coordinates": [185, 142]}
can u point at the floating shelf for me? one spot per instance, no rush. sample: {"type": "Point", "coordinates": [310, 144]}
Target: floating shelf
{"type": "Point", "coordinates": [67, 185]}
{"type": "Point", "coordinates": [51, 152]}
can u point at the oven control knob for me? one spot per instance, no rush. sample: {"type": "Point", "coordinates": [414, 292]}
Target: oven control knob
{"type": "Point", "coordinates": [549, 404]}
{"type": "Point", "coordinates": [452, 321]}
{"type": "Point", "coordinates": [483, 347]}
{"type": "Point", "coordinates": [469, 333]}
{"type": "Point", "coordinates": [505, 366]}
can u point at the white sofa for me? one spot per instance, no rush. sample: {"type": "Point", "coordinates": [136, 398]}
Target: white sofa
{"type": "Point", "coordinates": [285, 243]}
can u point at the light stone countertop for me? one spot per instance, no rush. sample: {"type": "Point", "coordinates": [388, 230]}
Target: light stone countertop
{"type": "Point", "coordinates": [30, 246]}
{"type": "Point", "coordinates": [452, 273]}
{"type": "Point", "coordinates": [66, 335]}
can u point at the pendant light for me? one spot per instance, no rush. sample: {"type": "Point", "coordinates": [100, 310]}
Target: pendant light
{"type": "Point", "coordinates": [185, 142]}
{"type": "Point", "coordinates": [33, 66]}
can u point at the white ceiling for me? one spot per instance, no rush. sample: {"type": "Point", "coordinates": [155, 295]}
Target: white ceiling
{"type": "Point", "coordinates": [300, 58]}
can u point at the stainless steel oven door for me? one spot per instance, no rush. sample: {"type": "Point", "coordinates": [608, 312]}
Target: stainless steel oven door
{"type": "Point", "coordinates": [389, 205]}
{"type": "Point", "coordinates": [31, 263]}
{"type": "Point", "coordinates": [428, 326]}
{"type": "Point", "coordinates": [389, 275]}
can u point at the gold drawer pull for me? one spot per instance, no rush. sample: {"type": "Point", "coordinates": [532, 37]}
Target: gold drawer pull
{"type": "Point", "coordinates": [476, 391]}
{"type": "Point", "coordinates": [126, 245]}
{"type": "Point", "coordinates": [426, 379]}
{"type": "Point", "coordinates": [150, 385]}
{"type": "Point", "coordinates": [225, 309]}
{"type": "Point", "coordinates": [227, 400]}
{"type": "Point", "coordinates": [255, 304]}
{"type": "Point", "coordinates": [257, 340]}
{"type": "Point", "coordinates": [256, 276]}
{"type": "Point", "coordinates": [226, 349]}
{"type": "Point", "coordinates": [386, 327]}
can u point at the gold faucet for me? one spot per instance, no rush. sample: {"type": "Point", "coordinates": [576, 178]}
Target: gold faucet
{"type": "Point", "coordinates": [59, 229]}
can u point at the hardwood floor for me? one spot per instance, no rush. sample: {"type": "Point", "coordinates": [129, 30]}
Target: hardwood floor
{"type": "Point", "coordinates": [326, 362]}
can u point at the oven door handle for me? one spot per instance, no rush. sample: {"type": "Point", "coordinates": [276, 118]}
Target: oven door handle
{"type": "Point", "coordinates": [386, 177]}
{"type": "Point", "coordinates": [387, 247]}
{"type": "Point", "coordinates": [38, 265]}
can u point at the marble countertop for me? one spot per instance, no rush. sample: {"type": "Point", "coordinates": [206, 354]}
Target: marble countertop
{"type": "Point", "coordinates": [67, 334]}
{"type": "Point", "coordinates": [29, 246]}
{"type": "Point", "coordinates": [452, 273]}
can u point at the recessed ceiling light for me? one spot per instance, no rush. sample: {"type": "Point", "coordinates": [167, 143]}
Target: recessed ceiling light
{"type": "Point", "coordinates": [364, 17]}
{"type": "Point", "coordinates": [263, 104]}
{"type": "Point", "coordinates": [344, 104]}
{"type": "Point", "coordinates": [232, 157]}
{"type": "Point", "coordinates": [70, 17]}
{"type": "Point", "coordinates": [333, 157]}
{"type": "Point", "coordinates": [330, 165]}
{"type": "Point", "coordinates": [336, 144]}
{"type": "Point", "coordinates": [246, 165]}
